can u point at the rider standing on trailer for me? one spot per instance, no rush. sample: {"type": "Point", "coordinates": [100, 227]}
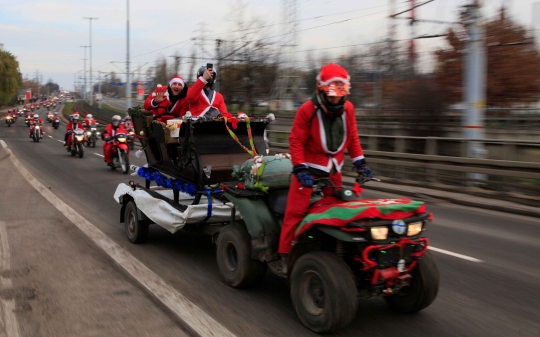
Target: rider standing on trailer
{"type": "Point", "coordinates": [323, 128]}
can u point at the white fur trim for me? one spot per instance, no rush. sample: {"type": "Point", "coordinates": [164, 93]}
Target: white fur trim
{"type": "Point", "coordinates": [177, 80]}
{"type": "Point", "coordinates": [333, 79]}
{"type": "Point", "coordinates": [203, 80]}
{"type": "Point", "coordinates": [357, 158]}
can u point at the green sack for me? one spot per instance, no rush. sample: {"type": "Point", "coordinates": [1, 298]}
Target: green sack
{"type": "Point", "coordinates": [265, 172]}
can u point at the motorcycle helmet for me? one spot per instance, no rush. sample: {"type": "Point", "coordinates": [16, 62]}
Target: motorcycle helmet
{"type": "Point", "coordinates": [89, 116]}
{"type": "Point", "coordinates": [115, 121]}
{"type": "Point", "coordinates": [36, 116]}
{"type": "Point", "coordinates": [333, 81]}
{"type": "Point", "coordinates": [56, 113]}
{"type": "Point", "coordinates": [201, 71]}
{"type": "Point", "coordinates": [75, 117]}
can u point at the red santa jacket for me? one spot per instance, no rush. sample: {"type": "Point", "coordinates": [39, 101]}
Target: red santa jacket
{"type": "Point", "coordinates": [111, 131]}
{"type": "Point", "coordinates": [72, 126]}
{"type": "Point", "coordinates": [199, 104]}
{"type": "Point", "coordinates": [89, 123]}
{"type": "Point", "coordinates": [33, 120]}
{"type": "Point", "coordinates": [307, 143]}
{"type": "Point", "coordinates": [166, 107]}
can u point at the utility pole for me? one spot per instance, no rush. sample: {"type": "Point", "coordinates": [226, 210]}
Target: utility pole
{"type": "Point", "coordinates": [474, 94]}
{"type": "Point", "coordinates": [84, 72]}
{"type": "Point", "coordinates": [91, 85]}
{"type": "Point", "coordinates": [99, 88]}
{"type": "Point", "coordinates": [128, 84]}
{"type": "Point", "coordinates": [218, 55]}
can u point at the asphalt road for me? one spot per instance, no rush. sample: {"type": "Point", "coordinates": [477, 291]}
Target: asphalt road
{"type": "Point", "coordinates": [498, 296]}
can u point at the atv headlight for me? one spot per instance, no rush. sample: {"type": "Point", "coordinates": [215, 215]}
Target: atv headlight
{"type": "Point", "coordinates": [379, 233]}
{"type": "Point", "coordinates": [414, 228]}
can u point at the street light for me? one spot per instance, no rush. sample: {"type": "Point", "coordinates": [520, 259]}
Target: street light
{"type": "Point", "coordinates": [84, 89]}
{"type": "Point", "coordinates": [128, 84]}
{"type": "Point", "coordinates": [90, 20]}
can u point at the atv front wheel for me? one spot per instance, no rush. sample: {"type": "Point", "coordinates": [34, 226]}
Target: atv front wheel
{"type": "Point", "coordinates": [323, 292]}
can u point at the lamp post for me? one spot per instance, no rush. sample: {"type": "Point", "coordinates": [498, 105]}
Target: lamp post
{"type": "Point", "coordinates": [91, 86]}
{"type": "Point", "coordinates": [128, 84]}
{"type": "Point", "coordinates": [84, 72]}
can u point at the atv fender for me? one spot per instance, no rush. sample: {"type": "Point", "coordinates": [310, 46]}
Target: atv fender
{"type": "Point", "coordinates": [262, 226]}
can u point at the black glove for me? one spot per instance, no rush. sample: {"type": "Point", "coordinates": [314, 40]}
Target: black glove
{"type": "Point", "coordinates": [362, 168]}
{"type": "Point", "coordinates": [303, 175]}
{"type": "Point", "coordinates": [108, 138]}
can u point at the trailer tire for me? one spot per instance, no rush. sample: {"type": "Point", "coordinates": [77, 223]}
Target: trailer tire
{"type": "Point", "coordinates": [233, 255]}
{"type": "Point", "coordinates": [136, 230]}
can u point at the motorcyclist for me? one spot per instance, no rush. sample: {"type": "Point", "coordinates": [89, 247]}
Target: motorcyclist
{"type": "Point", "coordinates": [72, 126]}
{"type": "Point", "coordinates": [35, 121]}
{"type": "Point", "coordinates": [168, 101]}
{"type": "Point", "coordinates": [110, 131]}
{"type": "Point", "coordinates": [323, 128]}
{"type": "Point", "coordinates": [89, 121]}
{"type": "Point", "coordinates": [203, 99]}
{"type": "Point", "coordinates": [128, 123]}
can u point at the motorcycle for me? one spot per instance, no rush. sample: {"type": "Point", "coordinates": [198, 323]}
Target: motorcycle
{"type": "Point", "coordinates": [78, 138]}
{"type": "Point", "coordinates": [92, 136]}
{"type": "Point", "coordinates": [131, 140]}
{"type": "Point", "coordinates": [49, 117]}
{"type": "Point", "coordinates": [21, 113]}
{"type": "Point", "coordinates": [9, 120]}
{"type": "Point", "coordinates": [120, 152]}
{"type": "Point", "coordinates": [27, 120]}
{"type": "Point", "coordinates": [56, 122]}
{"type": "Point", "coordinates": [37, 134]}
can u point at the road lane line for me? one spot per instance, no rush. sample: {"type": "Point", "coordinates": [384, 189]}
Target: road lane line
{"type": "Point", "coordinates": [97, 154]}
{"type": "Point", "coordinates": [49, 136]}
{"type": "Point", "coordinates": [185, 310]}
{"type": "Point", "coordinates": [465, 257]}
{"type": "Point", "coordinates": [8, 306]}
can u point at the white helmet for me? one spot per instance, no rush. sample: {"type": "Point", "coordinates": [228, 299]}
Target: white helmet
{"type": "Point", "coordinates": [36, 116]}
{"type": "Point", "coordinates": [75, 117]}
{"type": "Point", "coordinates": [89, 116]}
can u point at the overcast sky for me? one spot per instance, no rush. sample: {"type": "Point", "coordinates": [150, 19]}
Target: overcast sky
{"type": "Point", "coordinates": [47, 35]}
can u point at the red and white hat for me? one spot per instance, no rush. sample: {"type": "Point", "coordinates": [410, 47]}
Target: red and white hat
{"type": "Point", "coordinates": [177, 79]}
{"type": "Point", "coordinates": [334, 80]}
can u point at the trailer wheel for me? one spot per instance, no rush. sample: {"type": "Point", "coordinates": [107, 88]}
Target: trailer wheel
{"type": "Point", "coordinates": [323, 292]}
{"type": "Point", "coordinates": [422, 290]}
{"type": "Point", "coordinates": [233, 254]}
{"type": "Point", "coordinates": [136, 230]}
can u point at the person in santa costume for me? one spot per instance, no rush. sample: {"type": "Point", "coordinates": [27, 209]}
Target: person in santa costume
{"type": "Point", "coordinates": [168, 102]}
{"type": "Point", "coordinates": [203, 100]}
{"type": "Point", "coordinates": [323, 128]}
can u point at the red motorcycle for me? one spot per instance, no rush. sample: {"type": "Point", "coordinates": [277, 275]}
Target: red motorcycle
{"type": "Point", "coordinates": [120, 151]}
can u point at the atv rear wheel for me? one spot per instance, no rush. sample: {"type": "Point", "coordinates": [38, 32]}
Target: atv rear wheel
{"type": "Point", "coordinates": [233, 255]}
{"type": "Point", "coordinates": [323, 292]}
{"type": "Point", "coordinates": [423, 288]}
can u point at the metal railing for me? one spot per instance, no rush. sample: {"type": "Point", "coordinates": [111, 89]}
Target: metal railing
{"type": "Point", "coordinates": [440, 164]}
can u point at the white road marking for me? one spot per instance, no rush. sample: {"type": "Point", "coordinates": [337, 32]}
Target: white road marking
{"type": "Point", "coordinates": [61, 141]}
{"type": "Point", "coordinates": [97, 154]}
{"type": "Point", "coordinates": [49, 136]}
{"type": "Point", "coordinates": [8, 306]}
{"type": "Point", "coordinates": [178, 304]}
{"type": "Point", "coordinates": [465, 257]}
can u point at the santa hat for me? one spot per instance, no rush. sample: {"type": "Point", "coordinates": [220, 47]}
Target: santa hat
{"type": "Point", "coordinates": [163, 89]}
{"type": "Point", "coordinates": [332, 73]}
{"type": "Point", "coordinates": [177, 79]}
